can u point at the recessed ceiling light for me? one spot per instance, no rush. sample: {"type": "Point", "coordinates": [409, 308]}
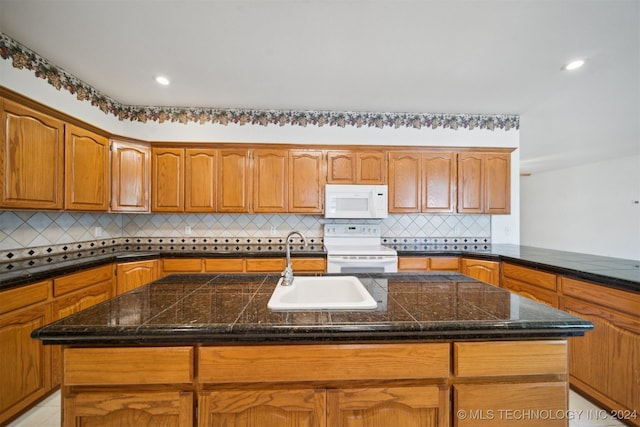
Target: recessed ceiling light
{"type": "Point", "coordinates": [162, 80]}
{"type": "Point", "coordinates": [574, 65]}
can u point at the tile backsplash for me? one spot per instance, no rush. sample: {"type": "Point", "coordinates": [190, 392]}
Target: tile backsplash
{"type": "Point", "coordinates": [46, 232]}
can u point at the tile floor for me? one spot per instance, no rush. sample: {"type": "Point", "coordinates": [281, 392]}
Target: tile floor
{"type": "Point", "coordinates": [583, 412]}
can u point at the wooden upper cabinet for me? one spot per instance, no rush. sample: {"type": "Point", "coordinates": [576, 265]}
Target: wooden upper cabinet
{"type": "Point", "coordinates": [470, 183]}
{"type": "Point", "coordinates": [86, 170]}
{"type": "Point", "coordinates": [31, 159]}
{"type": "Point", "coordinates": [341, 167]}
{"type": "Point", "coordinates": [200, 179]}
{"type": "Point", "coordinates": [497, 183]}
{"type": "Point", "coordinates": [167, 179]}
{"type": "Point", "coordinates": [438, 182]}
{"type": "Point", "coordinates": [421, 182]}
{"type": "Point", "coordinates": [233, 180]}
{"type": "Point", "coordinates": [270, 180]}
{"type": "Point", "coordinates": [370, 168]}
{"type": "Point", "coordinates": [405, 184]}
{"type": "Point", "coordinates": [484, 183]}
{"type": "Point", "coordinates": [355, 167]}
{"type": "Point", "coordinates": [130, 176]}
{"type": "Point", "coordinates": [306, 181]}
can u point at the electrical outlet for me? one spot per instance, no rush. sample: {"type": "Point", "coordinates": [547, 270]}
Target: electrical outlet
{"type": "Point", "coordinates": [97, 231]}
{"type": "Point", "coordinates": [507, 231]}
{"type": "Point", "coordinates": [187, 230]}
{"type": "Point", "coordinates": [273, 231]}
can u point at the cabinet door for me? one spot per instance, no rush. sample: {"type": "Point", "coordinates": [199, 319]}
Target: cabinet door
{"type": "Point", "coordinates": [131, 275]}
{"type": "Point", "coordinates": [167, 180]}
{"type": "Point", "coordinates": [68, 305]}
{"type": "Point", "coordinates": [355, 167]}
{"type": "Point", "coordinates": [497, 183]}
{"type": "Point", "coordinates": [86, 170]}
{"type": "Point", "coordinates": [510, 404]}
{"type": "Point", "coordinates": [31, 159]}
{"type": "Point", "coordinates": [200, 180]}
{"type": "Point", "coordinates": [233, 181]}
{"type": "Point", "coordinates": [438, 182]}
{"type": "Point", "coordinates": [470, 183]}
{"type": "Point", "coordinates": [129, 408]}
{"type": "Point", "coordinates": [423, 406]}
{"type": "Point", "coordinates": [130, 176]}
{"type": "Point", "coordinates": [25, 364]}
{"type": "Point", "coordinates": [611, 373]}
{"type": "Point", "coordinates": [306, 181]}
{"type": "Point", "coordinates": [485, 271]}
{"type": "Point", "coordinates": [278, 408]}
{"type": "Point", "coordinates": [341, 167]}
{"type": "Point", "coordinates": [405, 187]}
{"type": "Point", "coordinates": [270, 180]}
{"type": "Point", "coordinates": [370, 168]}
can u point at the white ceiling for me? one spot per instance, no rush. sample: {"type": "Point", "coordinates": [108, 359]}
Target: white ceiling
{"type": "Point", "coordinates": [430, 56]}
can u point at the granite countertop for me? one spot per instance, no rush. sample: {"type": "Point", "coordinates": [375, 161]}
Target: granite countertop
{"type": "Point", "coordinates": [613, 272]}
{"type": "Point", "coordinates": [232, 308]}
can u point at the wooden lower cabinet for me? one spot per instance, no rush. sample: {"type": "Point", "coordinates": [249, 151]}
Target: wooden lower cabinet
{"type": "Point", "coordinates": [485, 271]}
{"type": "Point", "coordinates": [242, 265]}
{"type": "Point", "coordinates": [420, 263]}
{"type": "Point", "coordinates": [330, 385]}
{"type": "Point", "coordinates": [419, 406]}
{"type": "Point", "coordinates": [128, 408]}
{"type": "Point", "coordinates": [538, 285]}
{"type": "Point", "coordinates": [610, 374]}
{"type": "Point", "coordinates": [130, 275]}
{"type": "Point", "coordinates": [520, 404]}
{"type": "Point", "coordinates": [281, 408]}
{"type": "Point", "coordinates": [25, 364]}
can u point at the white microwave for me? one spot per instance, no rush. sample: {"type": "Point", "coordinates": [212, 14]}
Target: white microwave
{"type": "Point", "coordinates": [356, 201]}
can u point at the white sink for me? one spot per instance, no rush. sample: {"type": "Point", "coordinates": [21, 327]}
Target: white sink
{"type": "Point", "coordinates": [322, 293]}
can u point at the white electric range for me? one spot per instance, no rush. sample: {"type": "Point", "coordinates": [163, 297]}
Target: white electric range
{"type": "Point", "coordinates": [354, 247]}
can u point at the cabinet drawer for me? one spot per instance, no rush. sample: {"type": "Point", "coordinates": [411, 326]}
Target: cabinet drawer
{"type": "Point", "coordinates": [23, 296]}
{"type": "Point", "coordinates": [182, 265]}
{"type": "Point", "coordinates": [627, 302]}
{"type": "Point", "coordinates": [255, 265]}
{"type": "Point", "coordinates": [76, 281]}
{"type": "Point", "coordinates": [413, 263]}
{"type": "Point", "coordinates": [146, 365]}
{"type": "Point", "coordinates": [536, 293]}
{"type": "Point", "coordinates": [308, 265]}
{"type": "Point", "coordinates": [444, 264]}
{"type": "Point", "coordinates": [529, 275]}
{"type": "Point", "coordinates": [513, 405]}
{"type": "Point", "coordinates": [224, 265]}
{"type": "Point", "coordinates": [238, 364]}
{"type": "Point", "coordinates": [488, 359]}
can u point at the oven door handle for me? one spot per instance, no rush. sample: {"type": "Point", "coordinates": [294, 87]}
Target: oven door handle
{"type": "Point", "coordinates": [360, 259]}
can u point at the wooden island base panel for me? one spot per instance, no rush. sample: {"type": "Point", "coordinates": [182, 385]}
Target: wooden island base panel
{"type": "Point", "coordinates": [497, 383]}
{"type": "Point", "coordinates": [204, 350]}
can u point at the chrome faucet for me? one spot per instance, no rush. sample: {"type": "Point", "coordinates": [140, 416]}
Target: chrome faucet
{"type": "Point", "coordinates": [287, 274]}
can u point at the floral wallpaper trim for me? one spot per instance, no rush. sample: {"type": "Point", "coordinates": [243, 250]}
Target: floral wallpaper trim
{"type": "Point", "coordinates": [25, 59]}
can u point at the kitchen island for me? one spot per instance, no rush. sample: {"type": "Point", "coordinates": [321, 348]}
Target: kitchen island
{"type": "Point", "coordinates": [439, 350]}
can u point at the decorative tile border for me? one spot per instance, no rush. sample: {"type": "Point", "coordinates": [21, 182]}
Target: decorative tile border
{"type": "Point", "coordinates": [24, 58]}
{"type": "Point", "coordinates": [20, 259]}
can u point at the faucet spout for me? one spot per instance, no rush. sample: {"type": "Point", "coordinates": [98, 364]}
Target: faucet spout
{"type": "Point", "coordinates": [287, 274]}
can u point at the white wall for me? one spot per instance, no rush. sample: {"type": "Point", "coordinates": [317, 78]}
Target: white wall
{"type": "Point", "coordinates": [589, 208]}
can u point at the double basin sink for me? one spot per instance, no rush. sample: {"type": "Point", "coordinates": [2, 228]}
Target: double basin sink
{"type": "Point", "coordinates": [322, 293]}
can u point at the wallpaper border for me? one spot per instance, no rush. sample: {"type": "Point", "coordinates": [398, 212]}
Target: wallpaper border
{"type": "Point", "coordinates": [25, 59]}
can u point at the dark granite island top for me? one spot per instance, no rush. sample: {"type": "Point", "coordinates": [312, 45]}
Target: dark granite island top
{"type": "Point", "coordinates": [232, 308]}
